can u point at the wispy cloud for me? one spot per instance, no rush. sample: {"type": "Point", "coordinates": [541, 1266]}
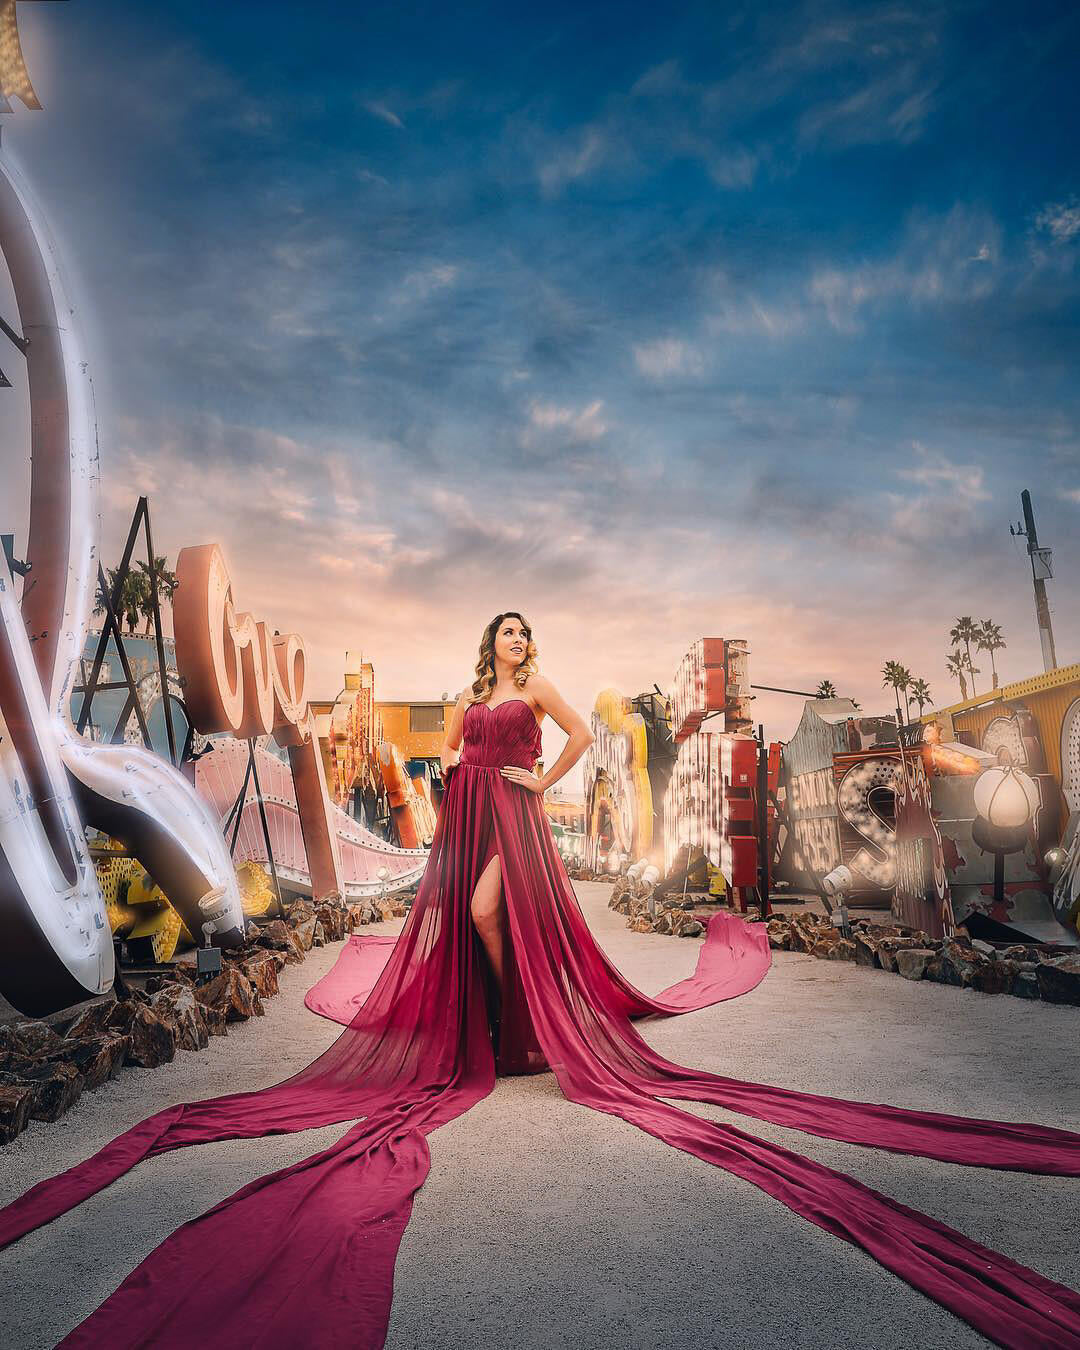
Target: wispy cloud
{"type": "Point", "coordinates": [574, 160]}
{"type": "Point", "coordinates": [581, 424]}
{"type": "Point", "coordinates": [1060, 220]}
{"type": "Point", "coordinates": [383, 113]}
{"type": "Point", "coordinates": [935, 471]}
{"type": "Point", "coordinates": [416, 286]}
{"type": "Point", "coordinates": [668, 356]}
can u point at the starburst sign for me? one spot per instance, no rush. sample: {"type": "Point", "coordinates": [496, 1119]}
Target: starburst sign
{"type": "Point", "coordinates": [14, 77]}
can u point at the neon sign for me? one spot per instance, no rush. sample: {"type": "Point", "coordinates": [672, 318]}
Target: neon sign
{"type": "Point", "coordinates": [241, 679]}
{"type": "Point", "coordinates": [55, 939]}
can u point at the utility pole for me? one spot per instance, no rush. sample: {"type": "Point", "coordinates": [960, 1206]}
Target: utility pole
{"type": "Point", "coordinates": [1040, 573]}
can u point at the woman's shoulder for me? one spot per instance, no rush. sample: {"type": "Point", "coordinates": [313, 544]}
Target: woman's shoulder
{"type": "Point", "coordinates": [536, 687]}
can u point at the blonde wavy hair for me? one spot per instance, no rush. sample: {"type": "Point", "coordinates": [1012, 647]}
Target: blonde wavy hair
{"type": "Point", "coordinates": [485, 666]}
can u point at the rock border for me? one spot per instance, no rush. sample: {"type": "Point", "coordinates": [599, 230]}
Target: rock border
{"type": "Point", "coordinates": [1029, 970]}
{"type": "Point", "coordinates": [46, 1066]}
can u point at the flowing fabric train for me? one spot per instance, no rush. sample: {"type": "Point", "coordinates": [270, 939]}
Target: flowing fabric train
{"type": "Point", "coordinates": [418, 1053]}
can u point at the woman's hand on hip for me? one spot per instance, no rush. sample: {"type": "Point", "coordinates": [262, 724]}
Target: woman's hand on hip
{"type": "Point", "coordinates": [525, 777]}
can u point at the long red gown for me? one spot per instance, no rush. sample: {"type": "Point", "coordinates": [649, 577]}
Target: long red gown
{"type": "Point", "coordinates": [304, 1257]}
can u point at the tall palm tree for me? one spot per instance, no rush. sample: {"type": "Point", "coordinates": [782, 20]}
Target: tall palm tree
{"type": "Point", "coordinates": [966, 630]}
{"type": "Point", "coordinates": [826, 689]}
{"type": "Point", "coordinates": [920, 694]}
{"type": "Point", "coordinates": [134, 594]}
{"type": "Point", "coordinates": [956, 665]}
{"type": "Point", "coordinates": [898, 677]}
{"type": "Point", "coordinates": [989, 639]}
{"type": "Point", "coordinates": [167, 583]}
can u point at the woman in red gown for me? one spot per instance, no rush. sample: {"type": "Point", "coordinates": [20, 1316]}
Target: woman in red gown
{"type": "Point", "coordinates": [304, 1257]}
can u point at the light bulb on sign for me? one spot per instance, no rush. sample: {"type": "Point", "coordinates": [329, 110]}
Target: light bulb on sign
{"type": "Point", "coordinates": [1006, 797]}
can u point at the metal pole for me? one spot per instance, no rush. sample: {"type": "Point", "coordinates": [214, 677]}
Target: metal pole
{"type": "Point", "coordinates": [103, 642]}
{"type": "Point", "coordinates": [802, 693]}
{"type": "Point", "coordinates": [237, 808]}
{"type": "Point", "coordinates": [1042, 605]}
{"type": "Point", "coordinates": [763, 822]}
{"type": "Point", "coordinates": [266, 828]}
{"type": "Point", "coordinates": [111, 621]}
{"type": "Point", "coordinates": [163, 674]}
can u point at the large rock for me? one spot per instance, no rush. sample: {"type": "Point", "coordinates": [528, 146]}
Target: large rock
{"type": "Point", "coordinates": [333, 919]}
{"type": "Point", "coordinates": [1020, 952]}
{"type": "Point", "coordinates": [305, 931]}
{"type": "Point", "coordinates": [278, 937]}
{"type": "Point", "coordinates": [262, 972]}
{"type": "Point", "coordinates": [299, 912]}
{"type": "Point", "coordinates": [33, 1039]}
{"type": "Point", "coordinates": [215, 1019]}
{"type": "Point", "coordinates": [804, 932]}
{"type": "Point", "coordinates": [992, 977]}
{"type": "Point", "coordinates": [877, 931]}
{"type": "Point", "coordinates": [92, 1021]}
{"type": "Point", "coordinates": [956, 963]}
{"type": "Point", "coordinates": [177, 1003]}
{"type": "Point", "coordinates": [889, 947]}
{"type": "Point", "coordinates": [55, 1086]}
{"type": "Point", "coordinates": [866, 949]}
{"type": "Point", "coordinates": [1059, 979]}
{"type": "Point", "coordinates": [231, 993]}
{"type": "Point", "coordinates": [779, 931]}
{"type": "Point", "coordinates": [361, 913]}
{"type": "Point", "coordinates": [274, 935]}
{"type": "Point", "coordinates": [178, 974]}
{"type": "Point", "coordinates": [95, 1057]}
{"type": "Point", "coordinates": [153, 1038]}
{"type": "Point", "coordinates": [831, 945]}
{"type": "Point", "coordinates": [16, 1099]}
{"type": "Point", "coordinates": [911, 962]}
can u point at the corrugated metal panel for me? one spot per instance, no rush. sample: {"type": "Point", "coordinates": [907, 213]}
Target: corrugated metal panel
{"type": "Point", "coordinates": [1048, 708]}
{"type": "Point", "coordinates": [1019, 689]}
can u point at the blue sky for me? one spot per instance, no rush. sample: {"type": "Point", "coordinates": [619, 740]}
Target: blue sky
{"type": "Point", "coordinates": [650, 321]}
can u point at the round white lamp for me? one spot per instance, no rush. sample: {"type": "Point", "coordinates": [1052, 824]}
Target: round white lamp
{"type": "Point", "coordinates": [1006, 800]}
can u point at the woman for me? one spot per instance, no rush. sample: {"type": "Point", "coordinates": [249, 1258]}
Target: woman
{"type": "Point", "coordinates": [305, 1256]}
{"type": "Point", "coordinates": [506, 673]}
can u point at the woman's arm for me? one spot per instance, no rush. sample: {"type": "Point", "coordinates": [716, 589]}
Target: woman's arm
{"type": "Point", "coordinates": [579, 737]}
{"type": "Point", "coordinates": [450, 752]}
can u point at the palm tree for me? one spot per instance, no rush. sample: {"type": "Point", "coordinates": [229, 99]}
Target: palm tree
{"type": "Point", "coordinates": [826, 689]}
{"type": "Point", "coordinates": [920, 694]}
{"type": "Point", "coordinates": [134, 595]}
{"type": "Point", "coordinates": [898, 677]}
{"type": "Point", "coordinates": [956, 665]}
{"type": "Point", "coordinates": [966, 630]}
{"type": "Point", "coordinates": [167, 583]}
{"type": "Point", "coordinates": [989, 639]}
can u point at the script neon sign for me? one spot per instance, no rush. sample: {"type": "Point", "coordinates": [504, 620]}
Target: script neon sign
{"type": "Point", "coordinates": [242, 679]}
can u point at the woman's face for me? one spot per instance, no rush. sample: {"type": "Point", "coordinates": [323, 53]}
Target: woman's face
{"type": "Point", "coordinates": [511, 642]}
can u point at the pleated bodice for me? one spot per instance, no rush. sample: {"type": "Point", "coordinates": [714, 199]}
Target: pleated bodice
{"type": "Point", "coordinates": [507, 733]}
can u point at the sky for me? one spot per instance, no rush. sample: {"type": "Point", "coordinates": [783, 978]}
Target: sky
{"type": "Point", "coordinates": [651, 322]}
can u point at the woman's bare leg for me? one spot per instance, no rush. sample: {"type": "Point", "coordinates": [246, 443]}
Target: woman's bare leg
{"type": "Point", "coordinates": [488, 914]}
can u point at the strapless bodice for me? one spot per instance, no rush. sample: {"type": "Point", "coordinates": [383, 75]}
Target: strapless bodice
{"type": "Point", "coordinates": [508, 733]}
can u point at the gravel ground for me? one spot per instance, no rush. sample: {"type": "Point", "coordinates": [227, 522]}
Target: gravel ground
{"type": "Point", "coordinates": [546, 1224]}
